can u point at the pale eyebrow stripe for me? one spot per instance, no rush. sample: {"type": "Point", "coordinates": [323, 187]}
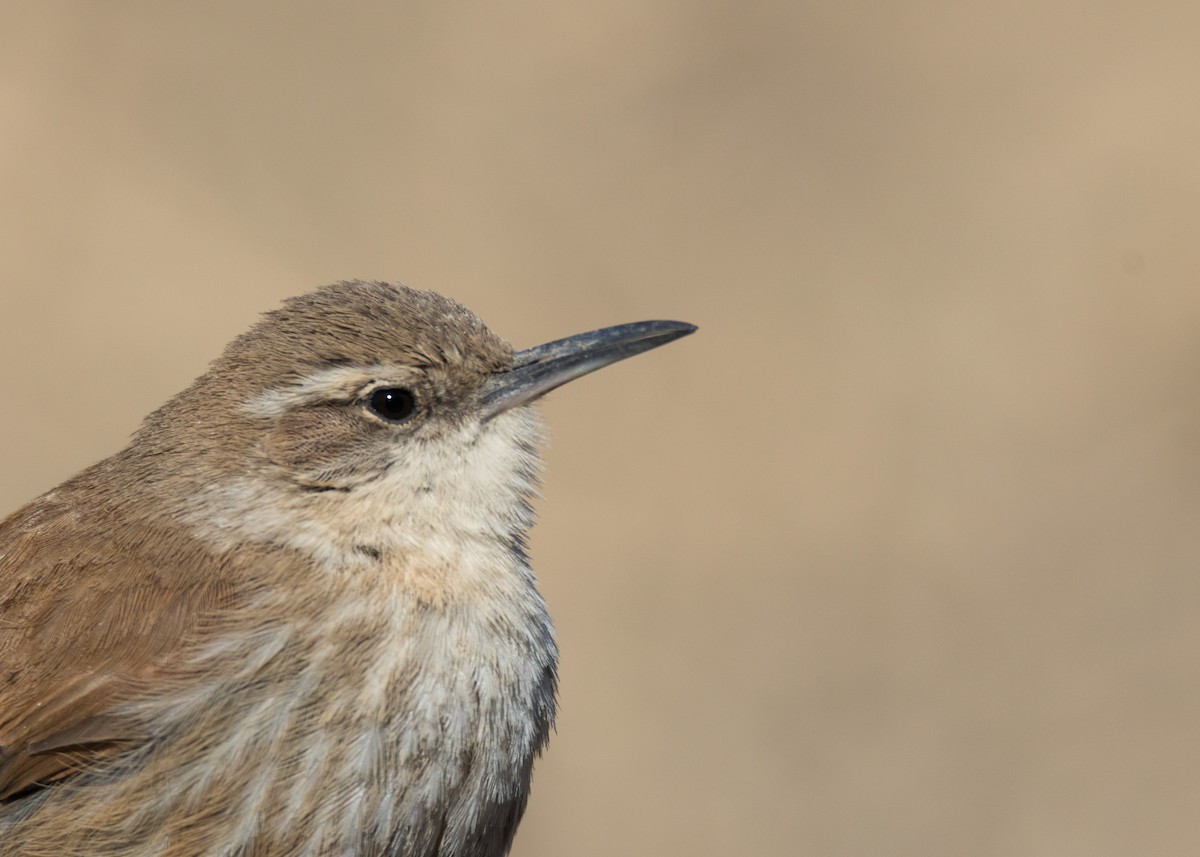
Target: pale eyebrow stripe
{"type": "Point", "coordinates": [318, 385]}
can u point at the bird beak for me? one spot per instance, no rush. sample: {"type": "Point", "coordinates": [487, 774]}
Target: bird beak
{"type": "Point", "coordinates": [537, 371]}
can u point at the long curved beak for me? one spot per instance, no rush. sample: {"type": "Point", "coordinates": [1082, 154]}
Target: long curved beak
{"type": "Point", "coordinates": [537, 371]}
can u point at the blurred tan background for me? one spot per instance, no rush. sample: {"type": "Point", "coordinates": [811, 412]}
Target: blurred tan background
{"type": "Point", "coordinates": [900, 555]}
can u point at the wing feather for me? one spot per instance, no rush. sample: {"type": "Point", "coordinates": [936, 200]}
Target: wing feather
{"type": "Point", "coordinates": [90, 615]}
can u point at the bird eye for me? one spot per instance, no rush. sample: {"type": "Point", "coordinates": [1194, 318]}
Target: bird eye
{"type": "Point", "coordinates": [394, 404]}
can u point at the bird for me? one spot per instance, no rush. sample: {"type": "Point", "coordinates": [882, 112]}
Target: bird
{"type": "Point", "coordinates": [295, 615]}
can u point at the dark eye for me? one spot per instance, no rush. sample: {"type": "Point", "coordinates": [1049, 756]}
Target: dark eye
{"type": "Point", "coordinates": [394, 404]}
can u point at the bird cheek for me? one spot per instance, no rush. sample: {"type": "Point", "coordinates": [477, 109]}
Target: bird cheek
{"type": "Point", "coordinates": [319, 439]}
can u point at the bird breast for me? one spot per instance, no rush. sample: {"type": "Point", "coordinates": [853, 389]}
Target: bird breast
{"type": "Point", "coordinates": [379, 724]}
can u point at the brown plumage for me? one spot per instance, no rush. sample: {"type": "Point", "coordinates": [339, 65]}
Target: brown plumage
{"type": "Point", "coordinates": [295, 615]}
